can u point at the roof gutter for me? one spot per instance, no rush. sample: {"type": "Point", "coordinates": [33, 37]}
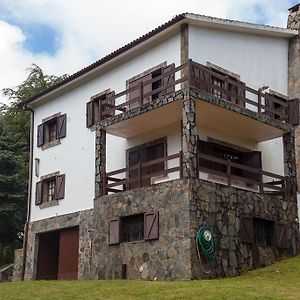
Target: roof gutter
{"type": "Point", "coordinates": [26, 226]}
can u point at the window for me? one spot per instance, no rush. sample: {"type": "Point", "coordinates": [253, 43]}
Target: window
{"type": "Point", "coordinates": [51, 130]}
{"type": "Point", "coordinates": [142, 89]}
{"type": "Point", "coordinates": [144, 153]}
{"type": "Point", "coordinates": [50, 188]}
{"type": "Point", "coordinates": [264, 233]}
{"type": "Point", "coordinates": [98, 106]}
{"type": "Point", "coordinates": [131, 228]}
{"type": "Point", "coordinates": [247, 158]}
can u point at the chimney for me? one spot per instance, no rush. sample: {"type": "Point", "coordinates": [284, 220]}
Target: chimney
{"type": "Point", "coordinates": [294, 17]}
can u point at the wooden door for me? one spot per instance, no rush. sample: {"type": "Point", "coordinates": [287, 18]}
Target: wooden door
{"type": "Point", "coordinates": [47, 262]}
{"type": "Point", "coordinates": [68, 254]}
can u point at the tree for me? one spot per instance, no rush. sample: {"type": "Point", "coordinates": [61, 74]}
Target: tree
{"type": "Point", "coordinates": [14, 158]}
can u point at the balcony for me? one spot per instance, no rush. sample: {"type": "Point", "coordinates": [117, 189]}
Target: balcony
{"type": "Point", "coordinates": [198, 78]}
{"type": "Point", "coordinates": [168, 168]}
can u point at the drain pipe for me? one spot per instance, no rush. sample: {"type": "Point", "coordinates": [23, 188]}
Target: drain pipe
{"type": "Point", "coordinates": [25, 241]}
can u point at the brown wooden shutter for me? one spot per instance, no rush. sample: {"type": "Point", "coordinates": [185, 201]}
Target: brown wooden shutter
{"type": "Point", "coordinates": [135, 93]}
{"type": "Point", "coordinates": [61, 126]}
{"type": "Point", "coordinates": [246, 230]}
{"type": "Point", "coordinates": [147, 88]}
{"type": "Point", "coordinates": [60, 186]}
{"type": "Point", "coordinates": [114, 231]}
{"type": "Point", "coordinates": [293, 113]}
{"type": "Point", "coordinates": [89, 114]}
{"type": "Point", "coordinates": [281, 235]}
{"type": "Point", "coordinates": [38, 193]}
{"type": "Point", "coordinates": [109, 99]}
{"type": "Point", "coordinates": [40, 135]}
{"type": "Point", "coordinates": [169, 79]}
{"type": "Point", "coordinates": [151, 226]}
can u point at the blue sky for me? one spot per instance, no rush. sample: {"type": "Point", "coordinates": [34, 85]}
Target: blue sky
{"type": "Point", "coordinates": [65, 36]}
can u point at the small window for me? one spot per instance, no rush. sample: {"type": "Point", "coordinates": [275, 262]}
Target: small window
{"type": "Point", "coordinates": [133, 228]}
{"type": "Point", "coordinates": [50, 189]}
{"type": "Point", "coordinates": [51, 131]}
{"type": "Point", "coordinates": [264, 232]}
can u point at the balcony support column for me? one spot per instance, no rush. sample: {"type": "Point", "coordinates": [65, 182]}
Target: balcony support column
{"type": "Point", "coordinates": [100, 163]}
{"type": "Point", "coordinates": [291, 202]}
{"type": "Point", "coordinates": [290, 162]}
{"type": "Point", "coordinates": [189, 137]}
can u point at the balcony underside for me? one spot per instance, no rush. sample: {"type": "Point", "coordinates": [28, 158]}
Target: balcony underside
{"type": "Point", "coordinates": [234, 124]}
{"type": "Point", "coordinates": [148, 121]}
{"type": "Point", "coordinates": [208, 115]}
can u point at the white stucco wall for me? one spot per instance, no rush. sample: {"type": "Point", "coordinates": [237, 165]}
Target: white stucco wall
{"type": "Point", "coordinates": [75, 156]}
{"type": "Point", "coordinates": [259, 60]}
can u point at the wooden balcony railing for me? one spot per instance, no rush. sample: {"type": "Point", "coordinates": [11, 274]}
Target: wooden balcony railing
{"type": "Point", "coordinates": [267, 182]}
{"type": "Point", "coordinates": [206, 80]}
{"type": "Point", "coordinates": [137, 176]}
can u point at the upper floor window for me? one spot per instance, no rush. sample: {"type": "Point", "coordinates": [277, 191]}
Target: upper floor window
{"type": "Point", "coordinates": [99, 106]}
{"type": "Point", "coordinates": [151, 85]}
{"type": "Point", "coordinates": [51, 130]}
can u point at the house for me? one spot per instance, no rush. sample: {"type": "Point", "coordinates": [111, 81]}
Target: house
{"type": "Point", "coordinates": [188, 127]}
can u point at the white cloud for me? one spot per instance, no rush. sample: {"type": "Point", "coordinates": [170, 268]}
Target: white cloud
{"type": "Point", "coordinates": [90, 29]}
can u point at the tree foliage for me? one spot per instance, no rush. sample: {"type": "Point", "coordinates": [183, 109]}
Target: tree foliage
{"type": "Point", "coordinates": [14, 158]}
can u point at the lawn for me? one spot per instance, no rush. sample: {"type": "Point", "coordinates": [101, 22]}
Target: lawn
{"type": "Point", "coordinates": [279, 281]}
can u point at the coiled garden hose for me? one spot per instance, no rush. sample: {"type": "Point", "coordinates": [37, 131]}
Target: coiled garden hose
{"type": "Point", "coordinates": [205, 242]}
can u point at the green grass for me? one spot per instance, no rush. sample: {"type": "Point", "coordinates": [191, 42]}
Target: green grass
{"type": "Point", "coordinates": [279, 281]}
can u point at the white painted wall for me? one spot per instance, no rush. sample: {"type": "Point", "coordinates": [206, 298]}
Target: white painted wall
{"type": "Point", "coordinates": [259, 60]}
{"type": "Point", "coordinates": [75, 156]}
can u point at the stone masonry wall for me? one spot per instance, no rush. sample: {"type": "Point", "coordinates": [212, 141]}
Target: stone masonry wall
{"type": "Point", "coordinates": [165, 258]}
{"type": "Point", "coordinates": [85, 221]}
{"type": "Point", "coordinates": [220, 207]}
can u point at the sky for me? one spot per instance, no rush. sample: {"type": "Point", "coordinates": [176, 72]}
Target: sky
{"type": "Point", "coordinates": [63, 36]}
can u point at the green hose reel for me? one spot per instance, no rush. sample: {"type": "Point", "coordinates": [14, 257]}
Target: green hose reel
{"type": "Point", "coordinates": [205, 242]}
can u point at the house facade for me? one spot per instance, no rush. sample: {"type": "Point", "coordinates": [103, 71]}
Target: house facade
{"type": "Point", "coordinates": [188, 126]}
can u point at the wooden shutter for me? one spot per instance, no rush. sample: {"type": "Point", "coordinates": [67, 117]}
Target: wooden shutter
{"type": "Point", "coordinates": [246, 230]}
{"type": "Point", "coordinates": [293, 111]}
{"type": "Point", "coordinates": [281, 236]}
{"type": "Point", "coordinates": [60, 186]}
{"type": "Point", "coordinates": [89, 114]}
{"type": "Point", "coordinates": [61, 126]}
{"type": "Point", "coordinates": [40, 135]}
{"type": "Point", "coordinates": [151, 226]}
{"type": "Point", "coordinates": [110, 100]}
{"type": "Point", "coordinates": [135, 93]}
{"type": "Point", "coordinates": [251, 159]}
{"type": "Point", "coordinates": [114, 231]}
{"type": "Point", "coordinates": [38, 193]}
{"type": "Point", "coordinates": [201, 79]}
{"type": "Point", "coordinates": [169, 79]}
{"type": "Point", "coordinates": [147, 88]}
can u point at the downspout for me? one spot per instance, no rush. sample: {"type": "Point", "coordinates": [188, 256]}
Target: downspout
{"type": "Point", "coordinates": [25, 241]}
